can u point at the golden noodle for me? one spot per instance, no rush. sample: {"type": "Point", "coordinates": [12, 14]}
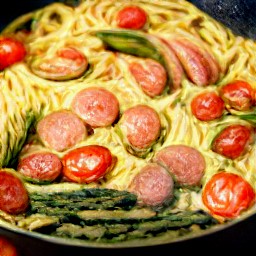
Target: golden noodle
{"type": "Point", "coordinates": [58, 25]}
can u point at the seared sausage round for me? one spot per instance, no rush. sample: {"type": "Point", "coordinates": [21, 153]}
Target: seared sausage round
{"type": "Point", "coordinates": [185, 163]}
{"type": "Point", "coordinates": [61, 130]}
{"type": "Point", "coordinates": [153, 185]}
{"type": "Point", "coordinates": [41, 166]}
{"type": "Point", "coordinates": [14, 197]}
{"type": "Point", "coordinates": [97, 106]}
{"type": "Point", "coordinates": [141, 124]}
{"type": "Point", "coordinates": [151, 76]}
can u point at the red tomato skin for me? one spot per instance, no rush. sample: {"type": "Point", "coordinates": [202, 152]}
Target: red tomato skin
{"type": "Point", "coordinates": [232, 141]}
{"type": "Point", "coordinates": [7, 248]}
{"type": "Point", "coordinates": [238, 95]}
{"type": "Point", "coordinates": [207, 106]}
{"type": "Point", "coordinates": [11, 51]}
{"type": "Point", "coordinates": [87, 164]}
{"type": "Point", "coordinates": [227, 195]}
{"type": "Point", "coordinates": [14, 198]}
{"type": "Point", "coordinates": [131, 17]}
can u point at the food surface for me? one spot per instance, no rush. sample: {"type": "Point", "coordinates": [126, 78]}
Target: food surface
{"type": "Point", "coordinates": [125, 120]}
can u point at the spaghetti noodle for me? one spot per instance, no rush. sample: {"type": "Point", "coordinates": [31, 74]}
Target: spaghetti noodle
{"type": "Point", "coordinates": [58, 25]}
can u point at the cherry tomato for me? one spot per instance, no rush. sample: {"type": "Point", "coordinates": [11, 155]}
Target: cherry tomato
{"type": "Point", "coordinates": [152, 77]}
{"type": "Point", "coordinates": [131, 17]}
{"type": "Point", "coordinates": [238, 95]}
{"type": "Point", "coordinates": [14, 197]}
{"type": "Point", "coordinates": [207, 106]}
{"type": "Point", "coordinates": [232, 141]}
{"type": "Point", "coordinates": [11, 51]}
{"type": "Point", "coordinates": [227, 195]}
{"type": "Point", "coordinates": [7, 248]}
{"type": "Point", "coordinates": [88, 163]}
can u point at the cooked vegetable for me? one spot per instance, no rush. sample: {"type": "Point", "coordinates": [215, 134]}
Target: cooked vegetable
{"type": "Point", "coordinates": [228, 194]}
{"type": "Point", "coordinates": [14, 135]}
{"type": "Point", "coordinates": [108, 215]}
{"type": "Point", "coordinates": [59, 203]}
{"type": "Point", "coordinates": [14, 198]}
{"type": "Point", "coordinates": [249, 117]}
{"type": "Point", "coordinates": [233, 141]}
{"type": "Point", "coordinates": [11, 51]}
{"type": "Point", "coordinates": [128, 228]}
{"type": "Point", "coordinates": [132, 17]}
{"type": "Point", "coordinates": [238, 95]}
{"type": "Point", "coordinates": [88, 163]}
{"type": "Point", "coordinates": [207, 106]}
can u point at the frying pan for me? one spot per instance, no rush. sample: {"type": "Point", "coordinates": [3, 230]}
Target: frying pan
{"type": "Point", "coordinates": [238, 236]}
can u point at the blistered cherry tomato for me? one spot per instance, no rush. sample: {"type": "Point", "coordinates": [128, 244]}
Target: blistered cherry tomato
{"type": "Point", "coordinates": [151, 76]}
{"type": "Point", "coordinates": [7, 248]}
{"type": "Point", "coordinates": [88, 163]}
{"type": "Point", "coordinates": [227, 194]}
{"type": "Point", "coordinates": [14, 198]}
{"type": "Point", "coordinates": [131, 17]}
{"type": "Point", "coordinates": [207, 106]}
{"type": "Point", "coordinates": [238, 95]}
{"type": "Point", "coordinates": [232, 141]}
{"type": "Point", "coordinates": [11, 51]}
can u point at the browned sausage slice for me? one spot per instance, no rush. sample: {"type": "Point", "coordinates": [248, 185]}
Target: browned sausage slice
{"type": "Point", "coordinates": [97, 106]}
{"type": "Point", "coordinates": [141, 125]}
{"type": "Point", "coordinates": [151, 76]}
{"type": "Point", "coordinates": [193, 63]}
{"type": "Point", "coordinates": [14, 197]}
{"type": "Point", "coordinates": [176, 69]}
{"type": "Point", "coordinates": [40, 166]}
{"type": "Point", "coordinates": [208, 59]}
{"type": "Point", "coordinates": [61, 130]}
{"type": "Point", "coordinates": [153, 185]}
{"type": "Point", "coordinates": [185, 163]}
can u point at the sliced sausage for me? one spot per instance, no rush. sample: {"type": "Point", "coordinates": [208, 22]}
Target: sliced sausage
{"type": "Point", "coordinates": [151, 76]}
{"type": "Point", "coordinates": [200, 66]}
{"type": "Point", "coordinates": [14, 197]}
{"type": "Point", "coordinates": [176, 69]}
{"type": "Point", "coordinates": [41, 166]}
{"type": "Point", "coordinates": [192, 63]}
{"type": "Point", "coordinates": [61, 130]}
{"type": "Point", "coordinates": [68, 63]}
{"type": "Point", "coordinates": [153, 185]}
{"type": "Point", "coordinates": [211, 64]}
{"type": "Point", "coordinates": [141, 125]}
{"type": "Point", "coordinates": [185, 163]}
{"type": "Point", "coordinates": [97, 106]}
